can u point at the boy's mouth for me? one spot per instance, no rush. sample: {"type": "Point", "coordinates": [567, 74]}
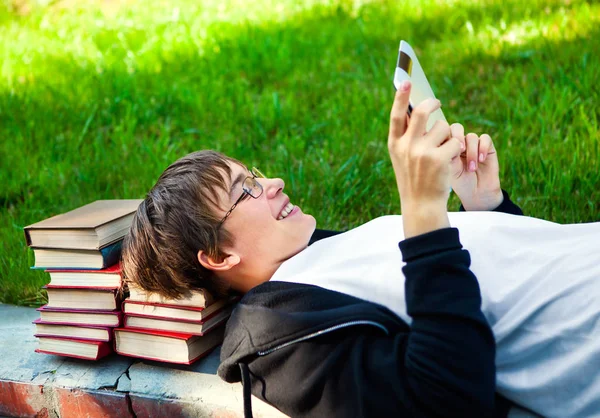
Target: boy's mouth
{"type": "Point", "coordinates": [287, 209]}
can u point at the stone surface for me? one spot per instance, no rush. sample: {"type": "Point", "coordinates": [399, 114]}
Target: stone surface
{"type": "Point", "coordinates": [21, 399]}
{"type": "Point", "coordinates": [83, 374]}
{"type": "Point", "coordinates": [199, 389]}
{"type": "Point", "coordinates": [40, 385]}
{"type": "Point", "coordinates": [76, 403]}
{"type": "Point", "coordinates": [18, 361]}
{"type": "Point", "coordinates": [148, 407]}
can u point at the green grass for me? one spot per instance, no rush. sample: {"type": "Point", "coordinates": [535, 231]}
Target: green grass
{"type": "Point", "coordinates": [96, 100]}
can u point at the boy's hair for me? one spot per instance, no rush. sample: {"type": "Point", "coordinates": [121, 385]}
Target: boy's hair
{"type": "Point", "coordinates": [176, 220]}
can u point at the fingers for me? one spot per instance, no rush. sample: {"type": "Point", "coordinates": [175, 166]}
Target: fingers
{"type": "Point", "coordinates": [399, 108]}
{"type": "Point", "coordinates": [472, 156]}
{"type": "Point", "coordinates": [450, 149]}
{"type": "Point", "coordinates": [439, 133]}
{"type": "Point", "coordinates": [458, 131]}
{"type": "Point", "coordinates": [486, 146]}
{"type": "Point", "coordinates": [420, 115]}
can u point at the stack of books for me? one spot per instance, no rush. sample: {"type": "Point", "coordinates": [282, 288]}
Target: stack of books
{"type": "Point", "coordinates": [80, 250]}
{"type": "Point", "coordinates": [171, 330]}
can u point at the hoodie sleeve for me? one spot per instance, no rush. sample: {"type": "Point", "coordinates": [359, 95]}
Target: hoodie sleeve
{"type": "Point", "coordinates": [440, 367]}
{"type": "Point", "coordinates": [451, 346]}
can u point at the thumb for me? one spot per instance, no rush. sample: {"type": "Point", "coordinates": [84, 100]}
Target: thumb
{"type": "Point", "coordinates": [399, 109]}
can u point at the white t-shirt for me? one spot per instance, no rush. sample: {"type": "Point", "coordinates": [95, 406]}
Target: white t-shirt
{"type": "Point", "coordinates": [540, 286]}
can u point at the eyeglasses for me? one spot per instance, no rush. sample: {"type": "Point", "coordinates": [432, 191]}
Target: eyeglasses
{"type": "Point", "coordinates": [250, 187]}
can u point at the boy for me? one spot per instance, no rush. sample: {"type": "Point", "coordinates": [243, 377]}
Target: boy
{"type": "Point", "coordinates": [211, 223]}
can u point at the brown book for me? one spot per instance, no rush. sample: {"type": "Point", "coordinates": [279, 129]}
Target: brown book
{"type": "Point", "coordinates": [172, 347]}
{"type": "Point", "coordinates": [90, 227]}
{"type": "Point", "coordinates": [197, 298]}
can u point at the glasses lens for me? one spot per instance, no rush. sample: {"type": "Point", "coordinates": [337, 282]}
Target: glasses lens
{"type": "Point", "coordinates": [252, 187]}
{"type": "Point", "coordinates": [258, 173]}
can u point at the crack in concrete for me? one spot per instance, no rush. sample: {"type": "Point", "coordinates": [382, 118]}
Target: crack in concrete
{"type": "Point", "coordinates": [127, 397]}
{"type": "Point", "coordinates": [112, 386]}
{"type": "Point", "coordinates": [130, 405]}
{"type": "Point", "coordinates": [108, 387]}
{"type": "Point", "coordinates": [126, 374]}
{"type": "Point", "coordinates": [126, 392]}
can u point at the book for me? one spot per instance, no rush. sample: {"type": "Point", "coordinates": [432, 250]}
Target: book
{"type": "Point", "coordinates": [108, 277]}
{"type": "Point", "coordinates": [197, 298]}
{"type": "Point", "coordinates": [409, 68]}
{"type": "Point", "coordinates": [51, 258]}
{"type": "Point", "coordinates": [87, 350]}
{"type": "Point", "coordinates": [171, 347]}
{"type": "Point", "coordinates": [92, 333]}
{"type": "Point", "coordinates": [187, 327]}
{"type": "Point", "coordinates": [161, 311]}
{"type": "Point", "coordinates": [78, 317]}
{"type": "Point", "coordinates": [89, 227]}
{"type": "Point", "coordinates": [85, 299]}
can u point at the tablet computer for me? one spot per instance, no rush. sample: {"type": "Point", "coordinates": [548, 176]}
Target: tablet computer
{"type": "Point", "coordinates": [409, 68]}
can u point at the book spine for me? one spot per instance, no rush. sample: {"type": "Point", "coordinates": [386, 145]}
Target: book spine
{"type": "Point", "coordinates": [104, 350]}
{"type": "Point", "coordinates": [27, 236]}
{"type": "Point", "coordinates": [111, 254]}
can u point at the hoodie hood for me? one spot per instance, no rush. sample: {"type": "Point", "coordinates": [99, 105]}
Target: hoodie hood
{"type": "Point", "coordinates": [276, 313]}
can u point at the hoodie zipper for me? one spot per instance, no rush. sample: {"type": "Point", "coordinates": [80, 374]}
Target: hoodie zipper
{"type": "Point", "coordinates": [324, 331]}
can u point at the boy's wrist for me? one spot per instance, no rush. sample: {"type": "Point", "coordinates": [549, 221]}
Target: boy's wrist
{"type": "Point", "coordinates": [420, 218]}
{"type": "Point", "coordinates": [484, 202]}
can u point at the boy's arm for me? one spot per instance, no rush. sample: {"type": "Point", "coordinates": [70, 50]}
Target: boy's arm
{"type": "Point", "coordinates": [444, 300]}
{"type": "Point", "coordinates": [443, 365]}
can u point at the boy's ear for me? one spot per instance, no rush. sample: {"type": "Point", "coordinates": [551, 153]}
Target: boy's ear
{"type": "Point", "coordinates": [228, 262]}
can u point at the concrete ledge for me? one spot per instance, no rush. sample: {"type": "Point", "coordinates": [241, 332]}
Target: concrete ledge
{"type": "Point", "coordinates": [40, 385]}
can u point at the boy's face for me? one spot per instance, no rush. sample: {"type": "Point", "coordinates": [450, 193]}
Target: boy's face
{"type": "Point", "coordinates": [263, 235]}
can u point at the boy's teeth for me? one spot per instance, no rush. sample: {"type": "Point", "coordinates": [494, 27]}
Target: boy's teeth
{"type": "Point", "coordinates": [286, 211]}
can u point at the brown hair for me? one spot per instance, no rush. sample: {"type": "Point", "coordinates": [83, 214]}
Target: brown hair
{"type": "Point", "coordinates": [174, 222]}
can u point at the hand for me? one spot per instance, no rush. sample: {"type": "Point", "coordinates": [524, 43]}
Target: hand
{"type": "Point", "coordinates": [421, 162]}
{"type": "Point", "coordinates": [476, 174]}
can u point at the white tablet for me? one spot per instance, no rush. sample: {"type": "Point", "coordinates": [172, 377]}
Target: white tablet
{"type": "Point", "coordinates": [409, 68]}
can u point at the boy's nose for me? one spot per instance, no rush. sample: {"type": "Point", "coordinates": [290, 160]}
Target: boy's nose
{"type": "Point", "coordinates": [272, 186]}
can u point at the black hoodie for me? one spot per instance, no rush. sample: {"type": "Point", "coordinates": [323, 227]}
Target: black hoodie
{"type": "Point", "coordinates": [312, 352]}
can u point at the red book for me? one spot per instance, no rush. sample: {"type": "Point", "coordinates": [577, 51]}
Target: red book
{"type": "Point", "coordinates": [71, 347]}
{"type": "Point", "coordinates": [86, 298]}
{"type": "Point", "coordinates": [88, 333]}
{"type": "Point", "coordinates": [79, 317]}
{"type": "Point", "coordinates": [84, 278]}
{"type": "Point", "coordinates": [170, 347]}
{"type": "Point", "coordinates": [164, 311]}
{"type": "Point", "coordinates": [179, 325]}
